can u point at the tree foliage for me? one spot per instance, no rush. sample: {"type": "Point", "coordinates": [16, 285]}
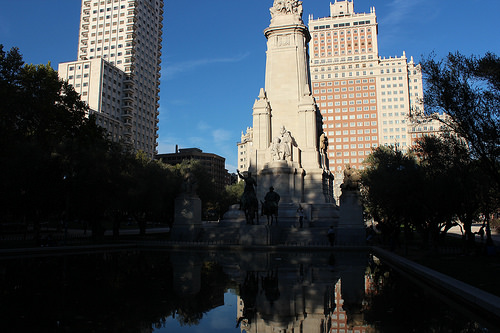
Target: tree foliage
{"type": "Point", "coordinates": [449, 179]}
{"type": "Point", "coordinates": [429, 189]}
{"type": "Point", "coordinates": [468, 90]}
{"type": "Point", "coordinates": [57, 164]}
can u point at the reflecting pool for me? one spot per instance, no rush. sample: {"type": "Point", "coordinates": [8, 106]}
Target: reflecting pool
{"type": "Point", "coordinates": [221, 291]}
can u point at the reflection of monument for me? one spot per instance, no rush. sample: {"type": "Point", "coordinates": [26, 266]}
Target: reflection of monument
{"type": "Point", "coordinates": [351, 228]}
{"type": "Point", "coordinates": [306, 294]}
{"type": "Point", "coordinates": [287, 124]}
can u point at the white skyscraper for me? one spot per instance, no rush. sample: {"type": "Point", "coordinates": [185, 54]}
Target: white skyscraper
{"type": "Point", "coordinates": [118, 68]}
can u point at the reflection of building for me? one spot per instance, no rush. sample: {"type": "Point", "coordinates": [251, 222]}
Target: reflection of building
{"type": "Point", "coordinates": [118, 68]}
{"type": "Point", "coordinates": [364, 99]}
{"type": "Point", "coordinates": [339, 321]}
{"type": "Point", "coordinates": [213, 164]}
{"type": "Point", "coordinates": [306, 296]}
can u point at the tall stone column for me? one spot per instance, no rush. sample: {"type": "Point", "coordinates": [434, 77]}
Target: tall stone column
{"type": "Point", "coordinates": [287, 122]}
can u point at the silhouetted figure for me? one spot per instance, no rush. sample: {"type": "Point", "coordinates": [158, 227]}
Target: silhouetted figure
{"type": "Point", "coordinates": [270, 205]}
{"type": "Point", "coordinates": [331, 235]}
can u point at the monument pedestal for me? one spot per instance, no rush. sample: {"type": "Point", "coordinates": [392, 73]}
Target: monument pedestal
{"type": "Point", "coordinates": [234, 217]}
{"type": "Point", "coordinates": [254, 235]}
{"type": "Point", "coordinates": [187, 219]}
{"type": "Point", "coordinates": [350, 229]}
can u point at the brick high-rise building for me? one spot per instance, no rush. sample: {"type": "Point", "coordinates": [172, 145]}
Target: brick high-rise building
{"type": "Point", "coordinates": [365, 100]}
{"type": "Point", "coordinates": [118, 68]}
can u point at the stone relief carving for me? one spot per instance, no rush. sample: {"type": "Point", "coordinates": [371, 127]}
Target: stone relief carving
{"type": "Point", "coordinates": [281, 146]}
{"type": "Point", "coordinates": [284, 40]}
{"type": "Point", "coordinates": [286, 7]}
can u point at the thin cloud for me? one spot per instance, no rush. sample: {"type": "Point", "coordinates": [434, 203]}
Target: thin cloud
{"type": "Point", "coordinates": [220, 135]}
{"type": "Point", "coordinates": [400, 10]}
{"type": "Point", "coordinates": [231, 167]}
{"type": "Point", "coordinates": [203, 126]}
{"type": "Point", "coordinates": [172, 70]}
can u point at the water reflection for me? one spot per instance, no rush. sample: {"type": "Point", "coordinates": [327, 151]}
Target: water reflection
{"type": "Point", "coordinates": [304, 293]}
{"type": "Point", "coordinates": [144, 291]}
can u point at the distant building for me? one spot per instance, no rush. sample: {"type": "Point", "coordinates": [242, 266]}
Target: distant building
{"type": "Point", "coordinates": [421, 125]}
{"type": "Point", "coordinates": [365, 100]}
{"type": "Point", "coordinates": [214, 164]}
{"type": "Point", "coordinates": [118, 68]}
{"type": "Point", "coordinates": [244, 148]}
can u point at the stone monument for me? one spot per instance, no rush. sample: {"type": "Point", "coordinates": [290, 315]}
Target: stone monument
{"type": "Point", "coordinates": [187, 220]}
{"type": "Point", "coordinates": [351, 228]}
{"type": "Point", "coordinates": [287, 126]}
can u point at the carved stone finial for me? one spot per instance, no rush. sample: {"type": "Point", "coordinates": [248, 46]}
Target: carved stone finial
{"type": "Point", "coordinates": [286, 7]}
{"type": "Point", "coordinates": [262, 94]}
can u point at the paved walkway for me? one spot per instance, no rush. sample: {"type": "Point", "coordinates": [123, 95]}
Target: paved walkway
{"type": "Point", "coordinates": [456, 231]}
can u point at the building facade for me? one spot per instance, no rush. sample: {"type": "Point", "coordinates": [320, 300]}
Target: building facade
{"type": "Point", "coordinates": [244, 149]}
{"type": "Point", "coordinates": [365, 100]}
{"type": "Point", "coordinates": [215, 165]}
{"type": "Point", "coordinates": [118, 68]}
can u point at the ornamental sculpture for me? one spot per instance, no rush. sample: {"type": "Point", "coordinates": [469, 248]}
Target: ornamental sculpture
{"type": "Point", "coordinates": [286, 7]}
{"type": "Point", "coordinates": [281, 146]}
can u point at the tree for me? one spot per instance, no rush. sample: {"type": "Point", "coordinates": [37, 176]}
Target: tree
{"type": "Point", "coordinates": [40, 116]}
{"type": "Point", "coordinates": [391, 186]}
{"type": "Point", "coordinates": [58, 163]}
{"type": "Point", "coordinates": [468, 90]}
{"type": "Point", "coordinates": [230, 196]}
{"type": "Point", "coordinates": [454, 183]}
{"type": "Point", "coordinates": [428, 188]}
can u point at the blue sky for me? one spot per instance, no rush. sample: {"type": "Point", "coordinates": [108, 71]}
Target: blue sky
{"type": "Point", "coordinates": [214, 52]}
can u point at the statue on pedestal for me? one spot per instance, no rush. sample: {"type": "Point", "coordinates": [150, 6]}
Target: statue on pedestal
{"type": "Point", "coordinates": [351, 179]}
{"type": "Point", "coordinates": [281, 146]}
{"type": "Point", "coordinates": [190, 184]}
{"type": "Point", "coordinates": [270, 206]}
{"type": "Point", "coordinates": [249, 203]}
{"type": "Point", "coordinates": [286, 7]}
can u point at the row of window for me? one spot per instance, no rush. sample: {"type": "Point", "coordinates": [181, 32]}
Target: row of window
{"type": "Point", "coordinates": [336, 40]}
{"type": "Point", "coordinates": [343, 59]}
{"type": "Point", "coordinates": [354, 132]}
{"type": "Point", "coordinates": [352, 117]}
{"type": "Point", "coordinates": [341, 33]}
{"type": "Point", "coordinates": [353, 146]}
{"type": "Point", "coordinates": [352, 109]}
{"type": "Point", "coordinates": [352, 153]}
{"type": "Point", "coordinates": [352, 138]}
{"type": "Point", "coordinates": [343, 52]}
{"type": "Point", "coordinates": [108, 9]}
{"type": "Point", "coordinates": [392, 130]}
{"type": "Point", "coordinates": [396, 114]}
{"type": "Point", "coordinates": [341, 46]}
{"type": "Point", "coordinates": [348, 161]}
{"type": "Point", "coordinates": [343, 83]}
